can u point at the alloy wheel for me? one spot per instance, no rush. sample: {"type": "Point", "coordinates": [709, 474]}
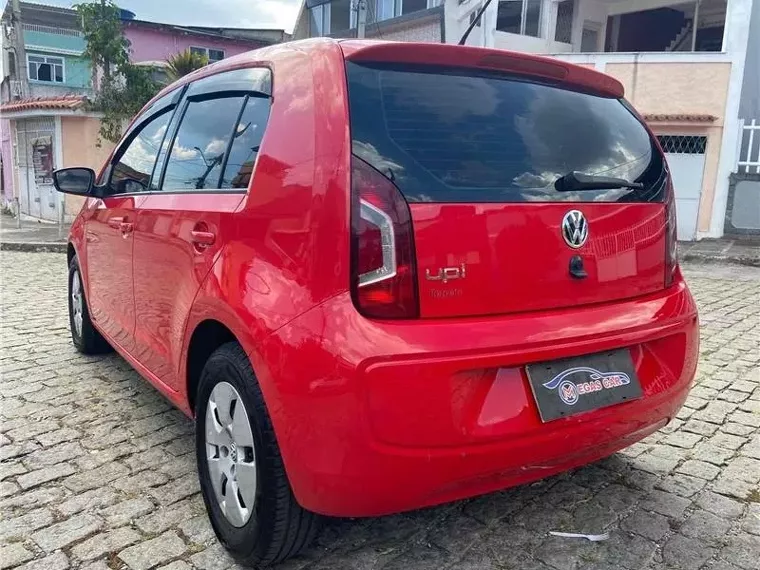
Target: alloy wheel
{"type": "Point", "coordinates": [77, 302]}
{"type": "Point", "coordinates": [230, 453]}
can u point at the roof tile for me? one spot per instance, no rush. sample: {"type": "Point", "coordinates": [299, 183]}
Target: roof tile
{"type": "Point", "coordinates": [70, 102]}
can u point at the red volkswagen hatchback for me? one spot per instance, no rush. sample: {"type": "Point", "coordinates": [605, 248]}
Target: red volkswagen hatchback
{"type": "Point", "coordinates": [382, 276]}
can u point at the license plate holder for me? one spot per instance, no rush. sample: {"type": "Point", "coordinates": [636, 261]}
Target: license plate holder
{"type": "Point", "coordinates": [563, 388]}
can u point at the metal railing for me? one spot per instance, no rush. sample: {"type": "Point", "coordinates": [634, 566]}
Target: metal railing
{"type": "Point", "coordinates": [749, 147]}
{"type": "Point", "coordinates": [51, 30]}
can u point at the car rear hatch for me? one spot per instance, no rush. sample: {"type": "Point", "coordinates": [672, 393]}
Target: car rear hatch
{"type": "Point", "coordinates": [497, 156]}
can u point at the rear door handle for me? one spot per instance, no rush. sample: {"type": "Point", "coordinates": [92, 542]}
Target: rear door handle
{"type": "Point", "coordinates": [116, 222]}
{"type": "Point", "coordinates": [201, 238]}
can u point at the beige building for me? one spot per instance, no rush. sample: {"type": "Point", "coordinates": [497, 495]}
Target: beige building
{"type": "Point", "coordinates": [51, 133]}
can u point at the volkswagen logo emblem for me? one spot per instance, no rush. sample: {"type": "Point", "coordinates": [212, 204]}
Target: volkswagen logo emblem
{"type": "Point", "coordinates": [575, 229]}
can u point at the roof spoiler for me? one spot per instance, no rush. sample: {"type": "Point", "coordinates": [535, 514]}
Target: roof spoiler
{"type": "Point", "coordinates": [481, 58]}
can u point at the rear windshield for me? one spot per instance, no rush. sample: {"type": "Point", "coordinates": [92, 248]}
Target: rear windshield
{"type": "Point", "coordinates": [453, 135]}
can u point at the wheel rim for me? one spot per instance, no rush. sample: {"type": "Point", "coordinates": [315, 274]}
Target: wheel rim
{"type": "Point", "coordinates": [76, 302]}
{"type": "Point", "coordinates": [230, 454]}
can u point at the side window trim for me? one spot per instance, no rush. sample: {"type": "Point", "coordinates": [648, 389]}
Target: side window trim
{"type": "Point", "coordinates": [246, 79]}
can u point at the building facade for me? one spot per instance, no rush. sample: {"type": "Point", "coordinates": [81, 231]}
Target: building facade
{"type": "Point", "coordinates": [47, 82]}
{"type": "Point", "coordinates": [686, 66]}
{"type": "Point", "coordinates": [152, 43]}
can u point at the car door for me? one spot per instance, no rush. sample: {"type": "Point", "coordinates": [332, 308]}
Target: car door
{"type": "Point", "coordinates": [182, 227]}
{"type": "Point", "coordinates": [109, 228]}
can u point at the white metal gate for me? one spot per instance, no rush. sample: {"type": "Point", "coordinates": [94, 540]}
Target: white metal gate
{"type": "Point", "coordinates": [35, 158]}
{"type": "Point", "coordinates": [686, 159]}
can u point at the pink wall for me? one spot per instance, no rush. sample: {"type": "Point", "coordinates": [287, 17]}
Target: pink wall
{"type": "Point", "coordinates": [6, 148]}
{"type": "Point", "coordinates": [159, 44]}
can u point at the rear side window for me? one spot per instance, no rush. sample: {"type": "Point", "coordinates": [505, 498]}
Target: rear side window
{"type": "Point", "coordinates": [200, 146]}
{"type": "Point", "coordinates": [245, 143]}
{"type": "Point", "coordinates": [453, 135]}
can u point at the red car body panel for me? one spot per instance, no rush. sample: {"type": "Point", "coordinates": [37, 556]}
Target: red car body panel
{"type": "Point", "coordinates": [417, 414]}
{"type": "Point", "coordinates": [375, 416]}
{"type": "Point", "coordinates": [623, 256]}
{"type": "Point", "coordinates": [169, 268]}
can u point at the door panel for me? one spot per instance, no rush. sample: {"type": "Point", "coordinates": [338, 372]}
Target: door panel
{"type": "Point", "coordinates": [177, 239]}
{"type": "Point", "coordinates": [108, 234]}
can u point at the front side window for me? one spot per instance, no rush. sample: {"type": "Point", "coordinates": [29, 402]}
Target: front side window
{"type": "Point", "coordinates": [199, 148]}
{"type": "Point", "coordinates": [43, 68]}
{"type": "Point", "coordinates": [132, 172]}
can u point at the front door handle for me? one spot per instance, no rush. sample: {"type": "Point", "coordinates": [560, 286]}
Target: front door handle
{"type": "Point", "coordinates": [202, 239]}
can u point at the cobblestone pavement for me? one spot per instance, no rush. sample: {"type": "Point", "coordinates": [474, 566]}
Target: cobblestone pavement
{"type": "Point", "coordinates": [98, 472]}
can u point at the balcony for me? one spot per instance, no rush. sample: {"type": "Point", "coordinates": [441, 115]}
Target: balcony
{"type": "Point", "coordinates": [53, 39]}
{"type": "Point", "coordinates": [610, 26]}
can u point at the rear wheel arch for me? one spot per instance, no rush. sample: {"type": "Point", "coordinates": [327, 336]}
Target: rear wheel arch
{"type": "Point", "coordinates": [207, 336]}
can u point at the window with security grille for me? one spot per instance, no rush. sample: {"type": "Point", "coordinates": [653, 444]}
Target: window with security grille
{"type": "Point", "coordinates": [683, 144]}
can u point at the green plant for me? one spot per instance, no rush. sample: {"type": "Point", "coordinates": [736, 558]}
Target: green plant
{"type": "Point", "coordinates": [184, 62]}
{"type": "Point", "coordinates": [123, 88]}
{"type": "Point", "coordinates": [120, 99]}
{"type": "Point", "coordinates": [107, 47]}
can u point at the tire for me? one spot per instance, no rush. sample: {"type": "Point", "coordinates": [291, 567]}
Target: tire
{"type": "Point", "coordinates": [277, 527]}
{"type": "Point", "coordinates": [84, 335]}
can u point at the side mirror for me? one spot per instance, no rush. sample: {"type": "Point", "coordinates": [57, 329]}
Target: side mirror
{"type": "Point", "coordinates": [74, 180]}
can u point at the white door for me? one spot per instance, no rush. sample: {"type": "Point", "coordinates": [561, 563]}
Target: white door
{"type": "Point", "coordinates": [35, 154]}
{"type": "Point", "coordinates": [686, 159]}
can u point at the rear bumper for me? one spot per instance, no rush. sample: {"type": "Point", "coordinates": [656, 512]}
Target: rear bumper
{"type": "Point", "coordinates": [381, 417]}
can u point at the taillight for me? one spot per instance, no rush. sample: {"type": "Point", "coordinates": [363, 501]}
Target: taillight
{"type": "Point", "coordinates": [671, 235]}
{"type": "Point", "coordinates": [383, 273]}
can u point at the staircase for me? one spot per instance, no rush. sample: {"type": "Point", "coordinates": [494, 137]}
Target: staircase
{"type": "Point", "coordinates": [682, 41]}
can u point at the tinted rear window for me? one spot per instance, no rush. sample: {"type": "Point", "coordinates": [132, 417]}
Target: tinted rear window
{"type": "Point", "coordinates": [452, 135]}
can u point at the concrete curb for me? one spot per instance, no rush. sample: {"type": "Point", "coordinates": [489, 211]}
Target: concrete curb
{"type": "Point", "coordinates": [37, 247]}
{"type": "Point", "coordinates": [699, 257]}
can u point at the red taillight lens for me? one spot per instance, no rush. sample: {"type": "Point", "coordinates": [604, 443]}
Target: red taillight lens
{"type": "Point", "coordinates": [671, 237]}
{"type": "Point", "coordinates": [383, 276]}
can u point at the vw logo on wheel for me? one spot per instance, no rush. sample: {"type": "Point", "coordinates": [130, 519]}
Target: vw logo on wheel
{"type": "Point", "coordinates": [575, 228]}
